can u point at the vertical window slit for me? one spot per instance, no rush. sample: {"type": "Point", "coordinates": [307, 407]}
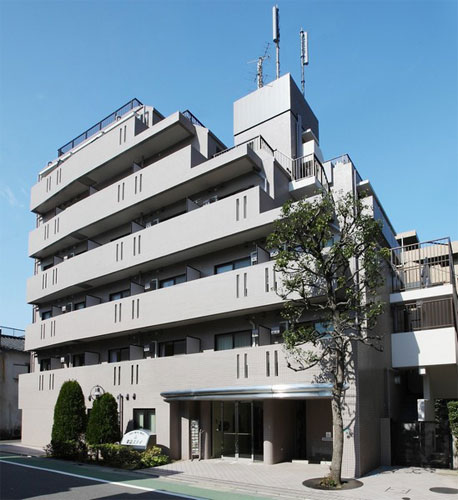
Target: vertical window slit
{"type": "Point", "coordinates": [245, 289]}
{"type": "Point", "coordinates": [237, 209]}
{"type": "Point", "coordinates": [245, 367]}
{"type": "Point", "coordinates": [276, 363]}
{"type": "Point", "coordinates": [136, 374]}
{"type": "Point", "coordinates": [244, 206]}
{"type": "Point", "coordinates": [266, 277]}
{"type": "Point", "coordinates": [238, 365]}
{"type": "Point", "coordinates": [267, 364]}
{"type": "Point", "coordinates": [131, 374]}
{"type": "Point", "coordinates": [237, 280]}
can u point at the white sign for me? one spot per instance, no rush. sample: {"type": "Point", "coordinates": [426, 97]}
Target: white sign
{"type": "Point", "coordinates": [137, 439]}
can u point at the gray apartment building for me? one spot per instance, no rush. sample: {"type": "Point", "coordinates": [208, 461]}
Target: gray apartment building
{"type": "Point", "coordinates": [152, 282]}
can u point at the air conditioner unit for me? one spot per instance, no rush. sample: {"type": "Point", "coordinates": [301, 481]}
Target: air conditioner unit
{"type": "Point", "coordinates": [254, 258]}
{"type": "Point", "coordinates": [275, 330]}
{"type": "Point", "coordinates": [67, 308]}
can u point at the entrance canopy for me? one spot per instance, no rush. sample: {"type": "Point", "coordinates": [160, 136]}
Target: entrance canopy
{"type": "Point", "coordinates": [280, 391]}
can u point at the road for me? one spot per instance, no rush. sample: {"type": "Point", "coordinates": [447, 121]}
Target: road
{"type": "Point", "coordinates": [22, 482]}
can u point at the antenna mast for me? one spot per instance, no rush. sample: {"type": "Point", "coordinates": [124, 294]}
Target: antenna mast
{"type": "Point", "coordinates": [304, 57]}
{"type": "Point", "coordinates": [276, 35]}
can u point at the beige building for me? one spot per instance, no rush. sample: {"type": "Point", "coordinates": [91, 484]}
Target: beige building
{"type": "Point", "coordinates": [152, 282]}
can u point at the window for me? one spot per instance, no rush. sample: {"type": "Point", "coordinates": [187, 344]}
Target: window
{"type": "Point", "coordinates": [46, 315]}
{"type": "Point", "coordinates": [233, 340]}
{"type": "Point", "coordinates": [79, 305]}
{"type": "Point", "coordinates": [78, 359]}
{"type": "Point", "coordinates": [116, 355]}
{"type": "Point", "coordinates": [172, 348]}
{"type": "Point", "coordinates": [230, 266]}
{"type": "Point", "coordinates": [145, 419]}
{"type": "Point", "coordinates": [45, 365]}
{"type": "Point", "coordinates": [119, 295]}
{"type": "Point", "coordinates": [172, 281]}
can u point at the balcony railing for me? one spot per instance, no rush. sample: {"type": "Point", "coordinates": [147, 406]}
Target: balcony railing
{"type": "Point", "coordinates": [112, 117]}
{"type": "Point", "coordinates": [303, 167]}
{"type": "Point", "coordinates": [192, 118]}
{"type": "Point", "coordinates": [13, 332]}
{"type": "Point", "coordinates": [424, 315]}
{"type": "Point", "coordinates": [422, 265]}
{"type": "Point", "coordinates": [256, 144]}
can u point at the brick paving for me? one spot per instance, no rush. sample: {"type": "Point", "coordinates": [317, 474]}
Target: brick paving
{"type": "Point", "coordinates": [285, 480]}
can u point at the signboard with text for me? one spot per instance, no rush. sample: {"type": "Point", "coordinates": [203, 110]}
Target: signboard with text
{"type": "Point", "coordinates": [137, 439]}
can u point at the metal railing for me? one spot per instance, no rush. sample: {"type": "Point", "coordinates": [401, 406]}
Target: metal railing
{"type": "Point", "coordinates": [422, 265]}
{"type": "Point", "coordinates": [112, 117]}
{"type": "Point", "coordinates": [303, 167]}
{"type": "Point", "coordinates": [192, 118]}
{"type": "Point", "coordinates": [14, 332]}
{"type": "Point", "coordinates": [256, 144]}
{"type": "Point", "coordinates": [423, 315]}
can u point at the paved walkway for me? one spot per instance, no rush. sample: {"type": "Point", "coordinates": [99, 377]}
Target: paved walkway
{"type": "Point", "coordinates": [246, 479]}
{"type": "Point", "coordinates": [285, 480]}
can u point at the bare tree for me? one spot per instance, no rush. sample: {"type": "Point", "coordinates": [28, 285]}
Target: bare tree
{"type": "Point", "coordinates": [331, 262]}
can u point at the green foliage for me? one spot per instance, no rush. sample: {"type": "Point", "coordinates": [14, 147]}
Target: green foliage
{"type": "Point", "coordinates": [69, 415]}
{"type": "Point", "coordinates": [453, 417]}
{"type": "Point", "coordinates": [318, 243]}
{"type": "Point", "coordinates": [103, 425]}
{"type": "Point", "coordinates": [154, 457]}
{"type": "Point", "coordinates": [117, 455]}
{"type": "Point", "coordinates": [68, 450]}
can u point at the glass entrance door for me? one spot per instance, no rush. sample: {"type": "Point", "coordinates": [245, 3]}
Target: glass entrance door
{"type": "Point", "coordinates": [237, 429]}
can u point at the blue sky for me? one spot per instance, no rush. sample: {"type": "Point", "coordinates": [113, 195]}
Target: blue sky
{"type": "Point", "coordinates": [382, 80]}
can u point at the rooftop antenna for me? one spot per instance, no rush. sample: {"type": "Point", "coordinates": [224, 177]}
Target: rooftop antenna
{"type": "Point", "coordinates": [259, 67]}
{"type": "Point", "coordinates": [276, 35]}
{"type": "Point", "coordinates": [304, 57]}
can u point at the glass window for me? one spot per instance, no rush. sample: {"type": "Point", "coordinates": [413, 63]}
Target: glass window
{"type": "Point", "coordinates": [46, 314]}
{"type": "Point", "coordinates": [80, 305]}
{"type": "Point", "coordinates": [45, 365]}
{"type": "Point", "coordinates": [242, 339]}
{"type": "Point", "coordinates": [78, 359]}
{"type": "Point", "coordinates": [224, 342]}
{"type": "Point", "coordinates": [172, 348]}
{"type": "Point", "coordinates": [119, 295]}
{"type": "Point", "coordinates": [230, 266]}
{"type": "Point", "coordinates": [172, 281]}
{"type": "Point", "coordinates": [116, 355]}
{"type": "Point", "coordinates": [233, 340]}
{"type": "Point", "coordinates": [145, 419]}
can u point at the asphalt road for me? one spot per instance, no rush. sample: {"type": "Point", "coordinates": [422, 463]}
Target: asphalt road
{"type": "Point", "coordinates": [18, 482]}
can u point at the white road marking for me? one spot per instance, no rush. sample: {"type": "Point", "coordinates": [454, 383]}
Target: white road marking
{"type": "Point", "coordinates": [133, 486]}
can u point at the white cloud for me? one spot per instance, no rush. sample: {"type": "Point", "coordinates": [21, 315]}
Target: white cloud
{"type": "Point", "coordinates": [7, 194]}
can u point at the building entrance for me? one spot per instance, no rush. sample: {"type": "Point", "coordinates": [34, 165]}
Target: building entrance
{"type": "Point", "coordinates": [237, 429]}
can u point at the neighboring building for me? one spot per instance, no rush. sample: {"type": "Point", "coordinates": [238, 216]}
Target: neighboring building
{"type": "Point", "coordinates": [13, 361]}
{"type": "Point", "coordinates": [152, 281]}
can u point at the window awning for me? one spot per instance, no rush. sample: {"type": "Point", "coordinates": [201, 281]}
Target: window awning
{"type": "Point", "coordinates": [280, 391]}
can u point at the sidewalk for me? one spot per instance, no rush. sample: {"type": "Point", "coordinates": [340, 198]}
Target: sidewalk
{"type": "Point", "coordinates": [245, 479]}
{"type": "Point", "coordinates": [285, 480]}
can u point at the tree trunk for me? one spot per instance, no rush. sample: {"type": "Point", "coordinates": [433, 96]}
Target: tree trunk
{"type": "Point", "coordinates": [337, 421]}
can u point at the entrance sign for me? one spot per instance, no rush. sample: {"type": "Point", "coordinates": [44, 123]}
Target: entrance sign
{"type": "Point", "coordinates": [137, 439]}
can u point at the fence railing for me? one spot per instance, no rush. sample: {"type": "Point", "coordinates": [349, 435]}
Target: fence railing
{"type": "Point", "coordinates": [303, 167]}
{"type": "Point", "coordinates": [112, 117]}
{"type": "Point", "coordinates": [192, 118]}
{"type": "Point", "coordinates": [422, 265]}
{"type": "Point", "coordinates": [14, 332]}
{"type": "Point", "coordinates": [423, 315]}
{"type": "Point", "coordinates": [256, 143]}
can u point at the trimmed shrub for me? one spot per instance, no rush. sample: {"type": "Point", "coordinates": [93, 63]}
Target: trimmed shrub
{"type": "Point", "coordinates": [69, 413]}
{"type": "Point", "coordinates": [103, 425]}
{"type": "Point", "coordinates": [154, 457]}
{"type": "Point", "coordinates": [118, 455]}
{"type": "Point", "coordinates": [68, 450]}
{"type": "Point", "coordinates": [453, 417]}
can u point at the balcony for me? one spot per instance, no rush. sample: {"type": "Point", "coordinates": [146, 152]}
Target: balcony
{"type": "Point", "coordinates": [167, 181]}
{"type": "Point", "coordinates": [214, 226]}
{"type": "Point", "coordinates": [424, 334]}
{"type": "Point", "coordinates": [423, 270]}
{"type": "Point", "coordinates": [106, 154]}
{"type": "Point", "coordinates": [307, 174]}
{"type": "Point", "coordinates": [244, 291]}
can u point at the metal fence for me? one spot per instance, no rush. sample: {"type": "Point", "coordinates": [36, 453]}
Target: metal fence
{"type": "Point", "coordinates": [14, 332]}
{"type": "Point", "coordinates": [423, 315]}
{"type": "Point", "coordinates": [256, 143]}
{"type": "Point", "coordinates": [192, 118]}
{"type": "Point", "coordinates": [112, 117]}
{"type": "Point", "coordinates": [422, 265]}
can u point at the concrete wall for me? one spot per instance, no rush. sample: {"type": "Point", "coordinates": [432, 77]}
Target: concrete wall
{"type": "Point", "coordinates": [12, 363]}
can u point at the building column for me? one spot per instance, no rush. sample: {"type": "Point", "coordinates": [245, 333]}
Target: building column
{"type": "Point", "coordinates": [206, 426]}
{"type": "Point", "coordinates": [175, 430]}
